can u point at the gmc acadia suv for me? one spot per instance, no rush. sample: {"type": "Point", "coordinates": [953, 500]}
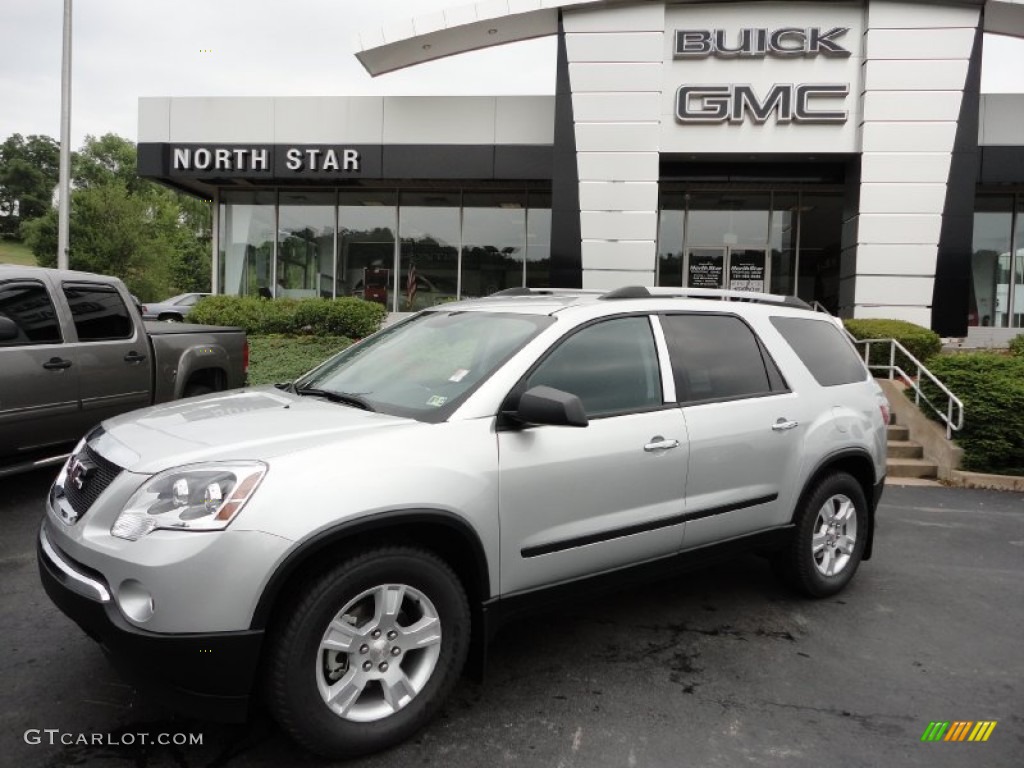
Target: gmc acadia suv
{"type": "Point", "coordinates": [343, 543]}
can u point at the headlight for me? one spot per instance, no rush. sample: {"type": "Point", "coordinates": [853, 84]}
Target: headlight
{"type": "Point", "coordinates": [204, 497]}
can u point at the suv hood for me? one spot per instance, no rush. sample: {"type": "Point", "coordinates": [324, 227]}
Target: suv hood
{"type": "Point", "coordinates": [243, 424]}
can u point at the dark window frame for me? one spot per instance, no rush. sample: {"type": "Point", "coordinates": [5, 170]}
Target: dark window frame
{"type": "Point", "coordinates": [103, 288]}
{"type": "Point", "coordinates": [777, 384]}
{"type": "Point", "coordinates": [511, 401]}
{"type": "Point", "coordinates": [842, 337]}
{"type": "Point", "coordinates": [31, 283]}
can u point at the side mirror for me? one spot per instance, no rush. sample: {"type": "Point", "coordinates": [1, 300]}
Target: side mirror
{"type": "Point", "coordinates": [550, 406]}
{"type": "Point", "coordinates": [8, 329]}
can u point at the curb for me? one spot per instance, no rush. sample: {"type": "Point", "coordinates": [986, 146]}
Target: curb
{"type": "Point", "coordinates": [963, 479]}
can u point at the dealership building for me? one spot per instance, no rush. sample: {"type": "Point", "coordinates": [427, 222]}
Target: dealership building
{"type": "Point", "coordinates": [837, 151]}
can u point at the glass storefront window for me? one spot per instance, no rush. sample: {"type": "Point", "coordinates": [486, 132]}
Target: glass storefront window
{"type": "Point", "coordinates": [247, 243]}
{"type": "Point", "coordinates": [305, 249]}
{"type": "Point", "coordinates": [1017, 319]}
{"type": "Point", "coordinates": [670, 239]}
{"type": "Point", "coordinates": [493, 242]}
{"type": "Point", "coordinates": [727, 218]}
{"type": "Point", "coordinates": [821, 234]}
{"type": "Point", "coordinates": [430, 236]}
{"type": "Point", "coordinates": [366, 245]}
{"type": "Point", "coordinates": [538, 240]}
{"type": "Point", "coordinates": [990, 265]}
{"type": "Point", "coordinates": [782, 242]}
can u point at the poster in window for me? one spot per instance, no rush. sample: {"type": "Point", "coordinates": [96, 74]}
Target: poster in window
{"type": "Point", "coordinates": [746, 271]}
{"type": "Point", "coordinates": [705, 269]}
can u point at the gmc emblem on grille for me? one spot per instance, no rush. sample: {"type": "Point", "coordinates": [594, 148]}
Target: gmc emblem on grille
{"type": "Point", "coordinates": [80, 471]}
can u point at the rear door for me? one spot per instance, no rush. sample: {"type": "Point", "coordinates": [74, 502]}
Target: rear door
{"type": "Point", "coordinates": [38, 373]}
{"type": "Point", "coordinates": [113, 351]}
{"type": "Point", "coordinates": [745, 427]}
{"type": "Point", "coordinates": [577, 501]}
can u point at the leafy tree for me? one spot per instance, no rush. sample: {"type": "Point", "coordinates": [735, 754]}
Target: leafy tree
{"type": "Point", "coordinates": [153, 238]}
{"type": "Point", "coordinates": [29, 170]}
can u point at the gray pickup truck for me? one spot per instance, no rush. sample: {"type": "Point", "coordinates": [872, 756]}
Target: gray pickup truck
{"type": "Point", "coordinates": [74, 351]}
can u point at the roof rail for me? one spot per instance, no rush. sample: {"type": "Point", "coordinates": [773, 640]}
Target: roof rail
{"type": "Point", "coordinates": [521, 291]}
{"type": "Point", "coordinates": [643, 292]}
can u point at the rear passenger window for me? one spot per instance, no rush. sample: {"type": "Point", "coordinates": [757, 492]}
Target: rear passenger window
{"type": "Point", "coordinates": [612, 367]}
{"type": "Point", "coordinates": [27, 305]}
{"type": "Point", "coordinates": [717, 357]}
{"type": "Point", "coordinates": [823, 349]}
{"type": "Point", "coordinates": [98, 312]}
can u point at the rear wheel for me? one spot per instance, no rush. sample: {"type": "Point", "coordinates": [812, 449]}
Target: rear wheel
{"type": "Point", "coordinates": [828, 543]}
{"type": "Point", "coordinates": [371, 652]}
{"type": "Point", "coordinates": [195, 390]}
{"type": "Point", "coordinates": [171, 318]}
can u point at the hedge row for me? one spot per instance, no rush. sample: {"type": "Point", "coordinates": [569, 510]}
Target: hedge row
{"type": "Point", "coordinates": [991, 387]}
{"type": "Point", "coordinates": [346, 316]}
{"type": "Point", "coordinates": [1017, 345]}
{"type": "Point", "coordinates": [922, 343]}
{"type": "Point", "coordinates": [284, 358]}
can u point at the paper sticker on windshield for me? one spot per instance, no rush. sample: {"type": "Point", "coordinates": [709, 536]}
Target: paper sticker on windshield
{"type": "Point", "coordinates": [459, 375]}
{"type": "Point", "coordinates": [437, 401]}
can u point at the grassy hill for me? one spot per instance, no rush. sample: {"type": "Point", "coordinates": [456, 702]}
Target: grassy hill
{"type": "Point", "coordinates": [16, 253]}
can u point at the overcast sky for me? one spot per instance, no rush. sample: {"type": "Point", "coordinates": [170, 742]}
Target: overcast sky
{"type": "Point", "coordinates": [124, 49]}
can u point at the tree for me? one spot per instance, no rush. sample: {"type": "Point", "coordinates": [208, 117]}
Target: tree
{"type": "Point", "coordinates": [29, 170]}
{"type": "Point", "coordinates": [155, 239]}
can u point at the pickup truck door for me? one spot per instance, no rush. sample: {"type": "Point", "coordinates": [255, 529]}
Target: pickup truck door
{"type": "Point", "coordinates": [114, 356]}
{"type": "Point", "coordinates": [575, 501]}
{"type": "Point", "coordinates": [38, 372]}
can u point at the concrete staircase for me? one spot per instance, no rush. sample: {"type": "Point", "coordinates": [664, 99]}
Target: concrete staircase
{"type": "Point", "coordinates": [906, 458]}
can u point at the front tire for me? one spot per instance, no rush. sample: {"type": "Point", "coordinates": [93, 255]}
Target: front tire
{"type": "Point", "coordinates": [829, 539]}
{"type": "Point", "coordinates": [370, 653]}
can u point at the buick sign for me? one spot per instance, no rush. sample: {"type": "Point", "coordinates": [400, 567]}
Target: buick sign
{"type": "Point", "coordinates": [786, 42]}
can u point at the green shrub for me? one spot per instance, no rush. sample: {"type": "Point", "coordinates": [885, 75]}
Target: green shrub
{"type": "Point", "coordinates": [347, 316]}
{"type": "Point", "coordinates": [1017, 345]}
{"type": "Point", "coordinates": [274, 358]}
{"type": "Point", "coordinates": [921, 342]}
{"type": "Point", "coordinates": [992, 389]}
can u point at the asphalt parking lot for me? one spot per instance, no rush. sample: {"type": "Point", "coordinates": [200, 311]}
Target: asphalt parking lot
{"type": "Point", "coordinates": [720, 667]}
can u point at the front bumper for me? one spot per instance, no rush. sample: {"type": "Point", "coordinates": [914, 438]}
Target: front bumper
{"type": "Point", "coordinates": [205, 675]}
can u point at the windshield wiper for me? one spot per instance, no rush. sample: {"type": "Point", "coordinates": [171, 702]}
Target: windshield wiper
{"type": "Point", "coordinates": [346, 398]}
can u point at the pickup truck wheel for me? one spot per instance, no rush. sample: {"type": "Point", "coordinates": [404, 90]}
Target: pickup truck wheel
{"type": "Point", "coordinates": [370, 653]}
{"type": "Point", "coordinates": [828, 543]}
{"type": "Point", "coordinates": [172, 318]}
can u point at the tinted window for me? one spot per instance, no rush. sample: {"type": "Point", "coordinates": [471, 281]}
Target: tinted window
{"type": "Point", "coordinates": [611, 366]}
{"type": "Point", "coordinates": [823, 349]}
{"type": "Point", "coordinates": [98, 312]}
{"type": "Point", "coordinates": [28, 305]}
{"type": "Point", "coordinates": [714, 357]}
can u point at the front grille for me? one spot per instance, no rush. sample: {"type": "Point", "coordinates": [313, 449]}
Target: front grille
{"type": "Point", "coordinates": [93, 485]}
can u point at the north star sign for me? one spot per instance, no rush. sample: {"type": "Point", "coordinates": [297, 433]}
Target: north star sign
{"type": "Point", "coordinates": [789, 103]}
{"type": "Point", "coordinates": [298, 159]}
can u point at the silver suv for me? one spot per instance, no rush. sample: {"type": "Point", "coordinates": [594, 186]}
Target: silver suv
{"type": "Point", "coordinates": [342, 544]}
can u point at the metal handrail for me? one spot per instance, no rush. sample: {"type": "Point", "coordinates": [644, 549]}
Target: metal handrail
{"type": "Point", "coordinates": [953, 403]}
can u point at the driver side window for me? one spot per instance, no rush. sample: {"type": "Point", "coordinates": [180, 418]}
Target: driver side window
{"type": "Point", "coordinates": [611, 366]}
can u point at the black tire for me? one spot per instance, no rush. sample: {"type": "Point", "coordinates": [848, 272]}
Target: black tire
{"type": "Point", "coordinates": [799, 565]}
{"type": "Point", "coordinates": [195, 390]}
{"type": "Point", "coordinates": [298, 665]}
{"type": "Point", "coordinates": [171, 318]}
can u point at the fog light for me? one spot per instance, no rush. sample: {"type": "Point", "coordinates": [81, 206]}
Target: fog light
{"type": "Point", "coordinates": [135, 602]}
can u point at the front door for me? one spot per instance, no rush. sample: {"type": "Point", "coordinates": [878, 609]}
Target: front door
{"type": "Point", "coordinates": [732, 267]}
{"type": "Point", "coordinates": [575, 501]}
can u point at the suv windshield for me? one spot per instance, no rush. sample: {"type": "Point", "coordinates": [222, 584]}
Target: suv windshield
{"type": "Point", "coordinates": [424, 366]}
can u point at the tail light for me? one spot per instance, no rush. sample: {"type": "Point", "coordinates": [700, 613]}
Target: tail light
{"type": "Point", "coordinates": [883, 406]}
{"type": "Point", "coordinates": [245, 358]}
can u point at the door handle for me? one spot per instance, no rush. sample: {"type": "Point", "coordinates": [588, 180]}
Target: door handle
{"type": "Point", "coordinates": [659, 443]}
{"type": "Point", "coordinates": [782, 425]}
{"type": "Point", "coordinates": [56, 364]}
{"type": "Point", "coordinates": [134, 357]}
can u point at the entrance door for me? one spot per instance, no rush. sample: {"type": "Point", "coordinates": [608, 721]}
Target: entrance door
{"type": "Point", "coordinates": [735, 267]}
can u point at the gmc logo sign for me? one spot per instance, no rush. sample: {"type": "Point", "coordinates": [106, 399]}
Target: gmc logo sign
{"type": "Point", "coordinates": [735, 103]}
